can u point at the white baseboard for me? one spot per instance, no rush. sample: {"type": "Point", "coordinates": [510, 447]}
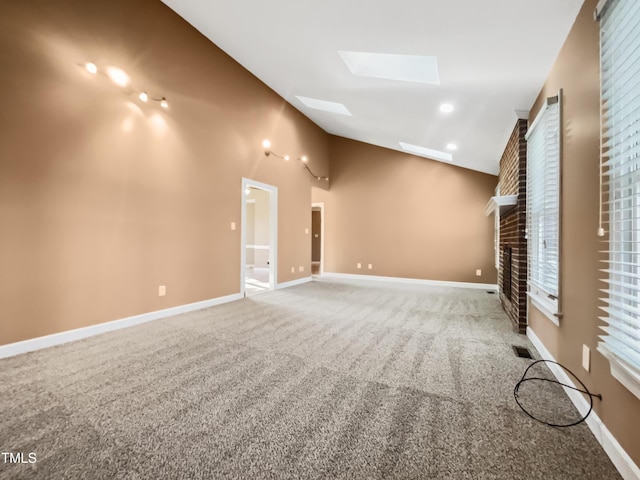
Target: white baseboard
{"type": "Point", "coordinates": [414, 281]}
{"type": "Point", "coordinates": [292, 283]}
{"type": "Point", "coordinates": [622, 461]}
{"type": "Point", "coordinates": [79, 333]}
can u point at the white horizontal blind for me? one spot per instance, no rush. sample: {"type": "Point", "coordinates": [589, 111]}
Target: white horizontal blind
{"type": "Point", "coordinates": [543, 198]}
{"type": "Point", "coordinates": [620, 71]}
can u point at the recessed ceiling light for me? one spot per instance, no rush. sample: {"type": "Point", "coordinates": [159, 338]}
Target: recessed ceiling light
{"type": "Point", "coordinates": [452, 146]}
{"type": "Point", "coordinates": [446, 108]}
{"type": "Point", "coordinates": [143, 96]}
{"type": "Point", "coordinates": [426, 152]}
{"type": "Point", "coordinates": [407, 68]}
{"type": "Point", "coordinates": [324, 105]}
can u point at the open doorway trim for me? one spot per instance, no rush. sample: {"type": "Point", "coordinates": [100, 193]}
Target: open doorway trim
{"type": "Point", "coordinates": [320, 206]}
{"type": "Point", "coordinates": [273, 232]}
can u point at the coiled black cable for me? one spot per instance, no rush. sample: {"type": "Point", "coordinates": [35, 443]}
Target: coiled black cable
{"type": "Point", "coordinates": [584, 390]}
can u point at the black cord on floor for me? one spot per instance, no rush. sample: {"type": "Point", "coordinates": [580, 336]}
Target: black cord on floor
{"type": "Point", "coordinates": [584, 390]}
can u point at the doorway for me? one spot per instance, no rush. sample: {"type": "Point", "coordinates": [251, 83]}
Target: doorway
{"type": "Point", "coordinates": [317, 238]}
{"type": "Point", "coordinates": [259, 237]}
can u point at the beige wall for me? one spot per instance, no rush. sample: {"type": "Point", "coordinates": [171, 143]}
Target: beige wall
{"type": "Point", "coordinates": [408, 216]}
{"type": "Point", "coordinates": [103, 198]}
{"type": "Point", "coordinates": [576, 71]}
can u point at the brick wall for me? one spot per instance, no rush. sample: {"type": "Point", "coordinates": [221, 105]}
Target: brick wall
{"type": "Point", "coordinates": [513, 181]}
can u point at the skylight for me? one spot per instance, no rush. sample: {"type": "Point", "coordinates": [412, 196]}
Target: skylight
{"type": "Point", "coordinates": [407, 68]}
{"type": "Point", "coordinates": [324, 105]}
{"type": "Point", "coordinates": [426, 152]}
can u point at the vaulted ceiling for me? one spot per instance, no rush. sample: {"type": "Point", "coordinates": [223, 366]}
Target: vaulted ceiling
{"type": "Point", "coordinates": [487, 59]}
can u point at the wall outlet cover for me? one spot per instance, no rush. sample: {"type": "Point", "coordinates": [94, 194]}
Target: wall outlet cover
{"type": "Point", "coordinates": [586, 358]}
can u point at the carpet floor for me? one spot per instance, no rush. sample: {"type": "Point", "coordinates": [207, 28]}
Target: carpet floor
{"type": "Point", "coordinates": [333, 379]}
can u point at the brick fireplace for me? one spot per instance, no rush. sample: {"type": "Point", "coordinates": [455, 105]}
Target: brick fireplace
{"type": "Point", "coordinates": [512, 269]}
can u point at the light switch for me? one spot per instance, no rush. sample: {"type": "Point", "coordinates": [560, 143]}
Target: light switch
{"type": "Point", "coordinates": [233, 225]}
{"type": "Point", "coordinates": [306, 231]}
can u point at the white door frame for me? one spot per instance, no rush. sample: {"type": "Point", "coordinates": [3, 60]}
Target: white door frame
{"type": "Point", "coordinates": [320, 205]}
{"type": "Point", "coordinates": [273, 231]}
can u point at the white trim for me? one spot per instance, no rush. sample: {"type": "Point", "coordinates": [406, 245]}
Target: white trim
{"type": "Point", "coordinates": [39, 343]}
{"type": "Point", "coordinates": [273, 231]}
{"type": "Point", "coordinates": [622, 461]}
{"type": "Point", "coordinates": [500, 204]}
{"type": "Point", "coordinates": [622, 371]}
{"type": "Point", "coordinates": [543, 306]}
{"type": "Point", "coordinates": [293, 283]}
{"type": "Point", "coordinates": [415, 281]}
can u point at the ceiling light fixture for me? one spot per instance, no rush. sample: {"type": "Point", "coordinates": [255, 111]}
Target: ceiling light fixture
{"type": "Point", "coordinates": [120, 78]}
{"type": "Point", "coordinates": [446, 108]}
{"type": "Point", "coordinates": [452, 146]}
{"type": "Point", "coordinates": [266, 144]}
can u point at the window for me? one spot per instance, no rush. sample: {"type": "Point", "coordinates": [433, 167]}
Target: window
{"type": "Point", "coordinates": [620, 73]}
{"type": "Point", "coordinates": [543, 212]}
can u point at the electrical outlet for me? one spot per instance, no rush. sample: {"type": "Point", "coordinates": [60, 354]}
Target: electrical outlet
{"type": "Point", "coordinates": [293, 269]}
{"type": "Point", "coordinates": [586, 358]}
{"type": "Point", "coordinates": [478, 273]}
{"type": "Point", "coordinates": [301, 268]}
{"type": "Point", "coordinates": [358, 265]}
{"type": "Point", "coordinates": [370, 266]}
{"type": "Point", "coordinates": [162, 290]}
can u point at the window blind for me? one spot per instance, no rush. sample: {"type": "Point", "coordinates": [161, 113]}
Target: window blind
{"type": "Point", "coordinates": [543, 198]}
{"type": "Point", "coordinates": [620, 73]}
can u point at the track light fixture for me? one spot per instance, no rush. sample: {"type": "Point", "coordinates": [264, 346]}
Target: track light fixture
{"type": "Point", "coordinates": [121, 79]}
{"type": "Point", "coordinates": [267, 150]}
{"type": "Point", "coordinates": [266, 144]}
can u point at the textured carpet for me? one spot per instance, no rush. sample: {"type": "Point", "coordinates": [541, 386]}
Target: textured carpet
{"type": "Point", "coordinates": [331, 379]}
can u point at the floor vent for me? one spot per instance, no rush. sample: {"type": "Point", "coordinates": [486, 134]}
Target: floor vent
{"type": "Point", "coordinates": [522, 352]}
